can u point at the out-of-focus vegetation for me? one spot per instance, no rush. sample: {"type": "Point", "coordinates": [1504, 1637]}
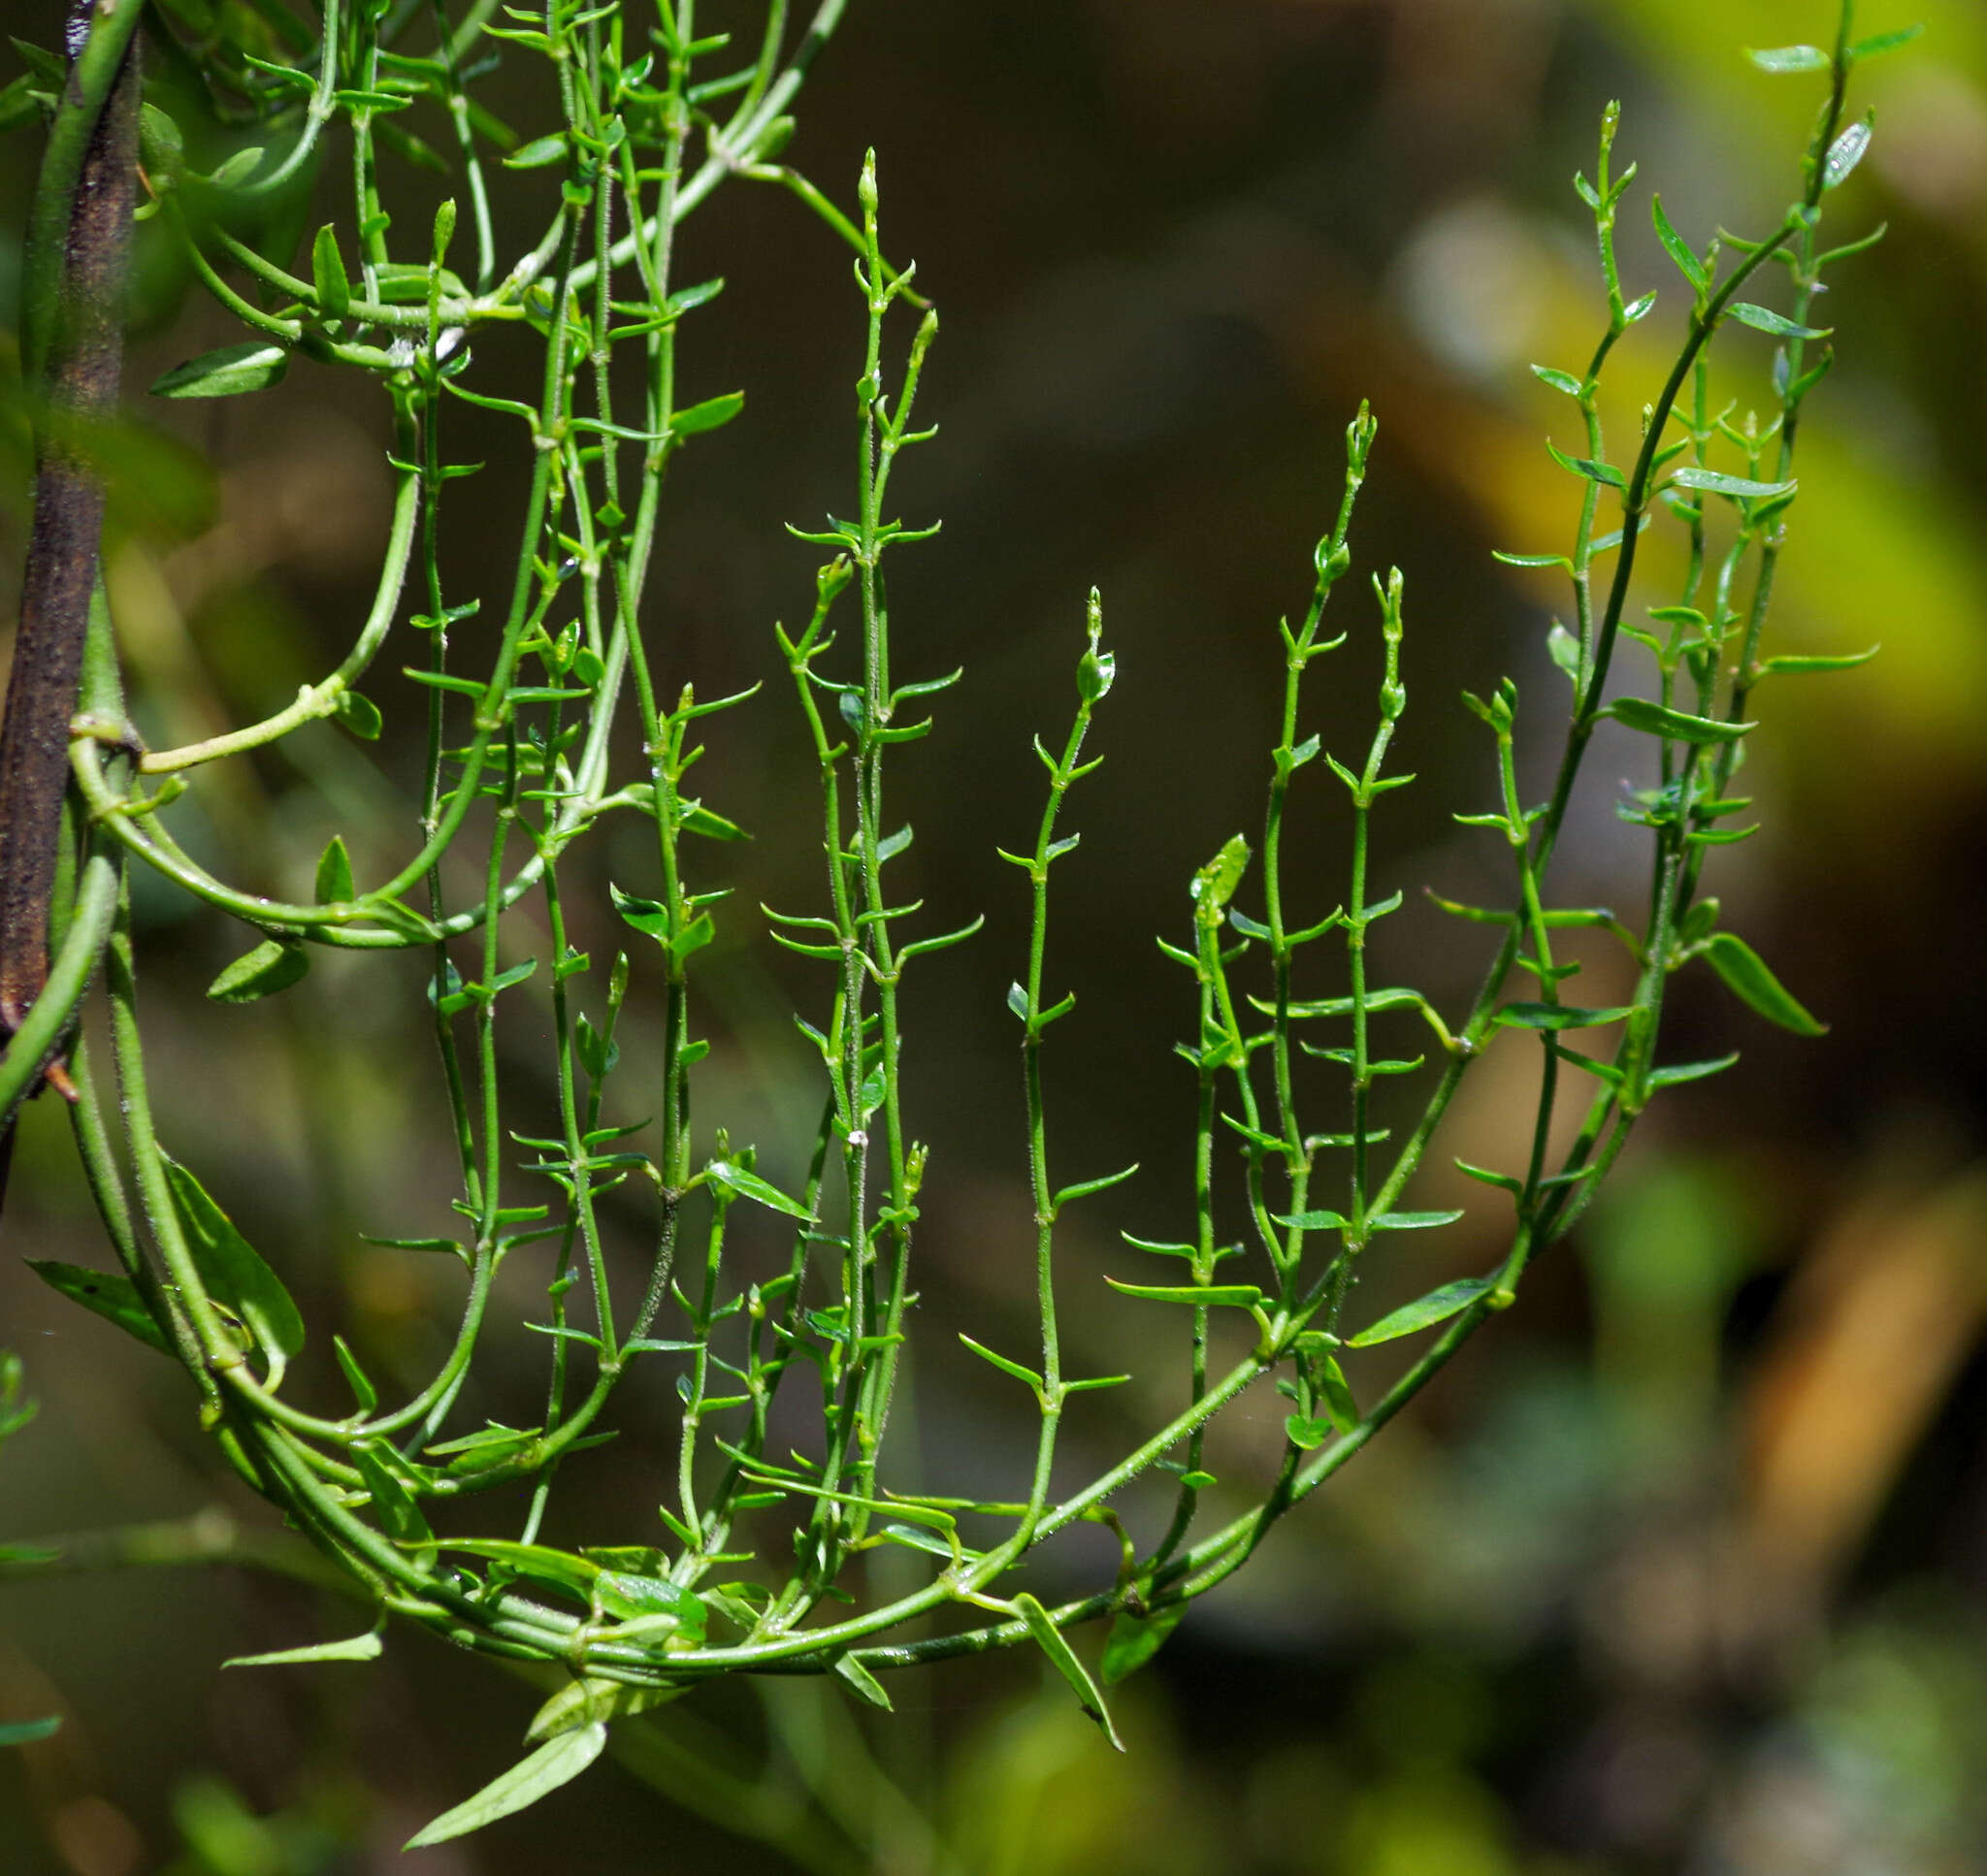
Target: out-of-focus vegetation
{"type": "Point", "coordinates": [1682, 1566]}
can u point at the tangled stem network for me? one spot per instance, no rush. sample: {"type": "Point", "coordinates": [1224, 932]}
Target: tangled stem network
{"type": "Point", "coordinates": [756, 1563]}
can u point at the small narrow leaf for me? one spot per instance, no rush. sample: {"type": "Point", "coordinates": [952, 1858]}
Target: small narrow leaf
{"type": "Point", "coordinates": [234, 1272]}
{"type": "Point", "coordinates": [400, 1515]}
{"type": "Point", "coordinates": [1879, 44]}
{"type": "Point", "coordinates": [1411, 1220]}
{"type": "Point", "coordinates": [1652, 719]}
{"type": "Point", "coordinates": [749, 1185]}
{"type": "Point", "coordinates": [1677, 248]}
{"type": "Point", "coordinates": [1339, 1406]}
{"type": "Point", "coordinates": [1789, 58]}
{"type": "Point", "coordinates": [25, 1733]}
{"type": "Point", "coordinates": [1214, 886]}
{"type": "Point", "coordinates": [1749, 978]}
{"type": "Point", "coordinates": [364, 1648]}
{"type": "Point", "coordinates": [1558, 1016]}
{"type": "Point", "coordinates": [560, 1760]}
{"type": "Point", "coordinates": [1793, 663]}
{"type": "Point", "coordinates": [1234, 1296]}
{"type": "Point", "coordinates": [707, 416]}
{"type": "Point", "coordinates": [239, 168]}
{"type": "Point", "coordinates": [334, 873]}
{"type": "Point", "coordinates": [541, 153]}
{"type": "Point", "coordinates": [1532, 560]}
{"type": "Point", "coordinates": [1134, 1639]}
{"type": "Point", "coordinates": [361, 716]}
{"type": "Point", "coordinates": [1438, 1306]}
{"type": "Point", "coordinates": [1741, 486]}
{"type": "Point", "coordinates": [1844, 153]}
{"type": "Point", "coordinates": [1026, 1376]}
{"type": "Point", "coordinates": [273, 965]}
{"type": "Point", "coordinates": [328, 275]}
{"type": "Point", "coordinates": [114, 1297]}
{"type": "Point", "coordinates": [860, 1682]}
{"type": "Point", "coordinates": [224, 373]}
{"type": "Point", "coordinates": [356, 1377]}
{"type": "Point", "coordinates": [1662, 1078]}
{"type": "Point", "coordinates": [1049, 1638]}
{"type": "Point", "coordinates": [1766, 319]}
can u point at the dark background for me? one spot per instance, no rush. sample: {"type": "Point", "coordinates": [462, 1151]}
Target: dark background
{"type": "Point", "coordinates": [1680, 1568]}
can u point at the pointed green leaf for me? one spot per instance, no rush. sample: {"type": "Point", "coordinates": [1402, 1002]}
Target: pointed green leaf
{"type": "Point", "coordinates": [1049, 1638]}
{"type": "Point", "coordinates": [1766, 319]}
{"type": "Point", "coordinates": [364, 1648]}
{"type": "Point", "coordinates": [1795, 664]}
{"type": "Point", "coordinates": [749, 1185]}
{"type": "Point", "coordinates": [1879, 44]}
{"type": "Point", "coordinates": [860, 1682]}
{"type": "Point", "coordinates": [1606, 474]}
{"type": "Point", "coordinates": [541, 153]}
{"type": "Point", "coordinates": [1411, 1220]}
{"type": "Point", "coordinates": [239, 168]}
{"type": "Point", "coordinates": [1677, 248]}
{"type": "Point", "coordinates": [114, 1297]}
{"type": "Point", "coordinates": [1749, 978]}
{"type": "Point", "coordinates": [400, 1515]}
{"type": "Point", "coordinates": [540, 1561]}
{"type": "Point", "coordinates": [1234, 1296]}
{"type": "Point", "coordinates": [696, 819]}
{"type": "Point", "coordinates": [1438, 1306]}
{"type": "Point", "coordinates": [632, 1598]}
{"type": "Point", "coordinates": [1716, 483]}
{"type": "Point", "coordinates": [707, 416]}
{"type": "Point", "coordinates": [273, 965]}
{"type": "Point", "coordinates": [1654, 720]}
{"type": "Point", "coordinates": [1662, 1078]}
{"type": "Point", "coordinates": [328, 275]}
{"type": "Point", "coordinates": [224, 373]}
{"type": "Point", "coordinates": [1214, 886]}
{"type": "Point", "coordinates": [25, 1733]}
{"type": "Point", "coordinates": [1558, 1016]}
{"type": "Point", "coordinates": [360, 714]}
{"type": "Point", "coordinates": [1789, 58]}
{"type": "Point", "coordinates": [1532, 560]}
{"type": "Point", "coordinates": [1340, 1407]}
{"type": "Point", "coordinates": [1026, 1375]}
{"type": "Point", "coordinates": [1844, 153]}
{"type": "Point", "coordinates": [363, 1390]}
{"type": "Point", "coordinates": [334, 873]}
{"type": "Point", "coordinates": [235, 1273]}
{"type": "Point", "coordinates": [646, 916]}
{"type": "Point", "coordinates": [560, 1760]}
{"type": "Point", "coordinates": [1134, 1639]}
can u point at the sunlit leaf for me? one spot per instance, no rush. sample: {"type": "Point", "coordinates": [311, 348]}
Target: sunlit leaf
{"type": "Point", "coordinates": [1747, 978]}
{"type": "Point", "coordinates": [560, 1760]}
{"type": "Point", "coordinates": [1052, 1642]}
{"type": "Point", "coordinates": [224, 373]}
{"type": "Point", "coordinates": [1438, 1306]}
